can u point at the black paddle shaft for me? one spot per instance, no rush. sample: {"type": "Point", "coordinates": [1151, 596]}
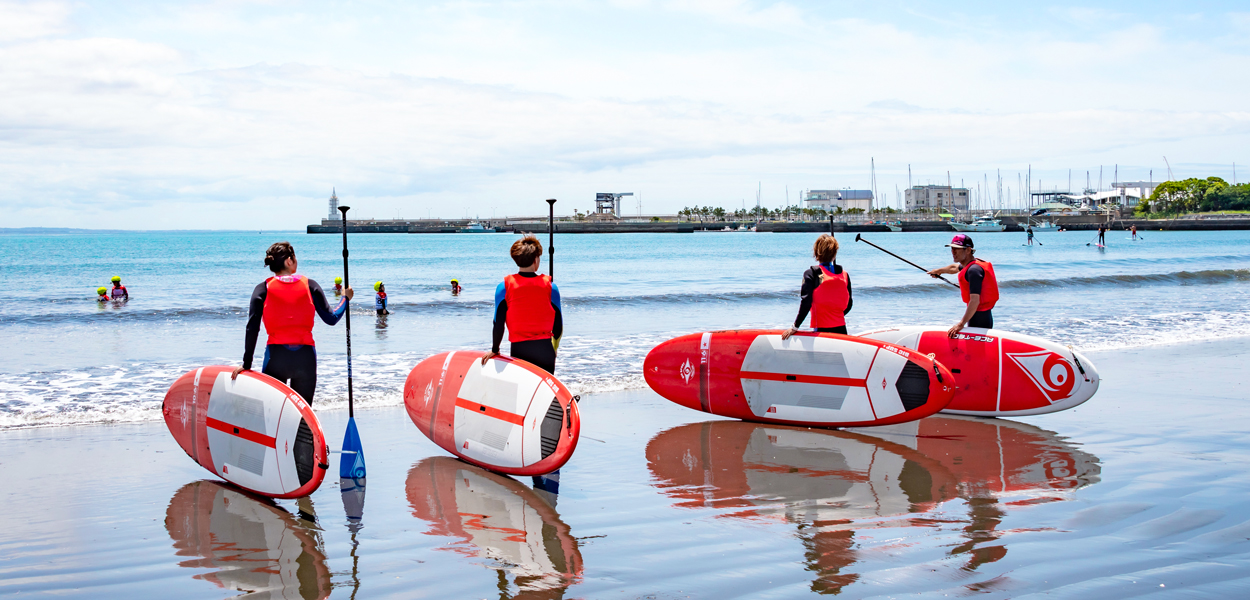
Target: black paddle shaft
{"type": "Point", "coordinates": [858, 238]}
{"type": "Point", "coordinates": [351, 411]}
{"type": "Point", "coordinates": [551, 238]}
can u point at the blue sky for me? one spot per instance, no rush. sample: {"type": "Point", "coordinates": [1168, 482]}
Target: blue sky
{"type": "Point", "coordinates": [245, 114]}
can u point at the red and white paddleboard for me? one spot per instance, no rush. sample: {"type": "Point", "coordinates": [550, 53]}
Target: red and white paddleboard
{"type": "Point", "coordinates": [507, 415]}
{"type": "Point", "coordinates": [254, 431]}
{"type": "Point", "coordinates": [814, 379]}
{"type": "Point", "coordinates": [1000, 373]}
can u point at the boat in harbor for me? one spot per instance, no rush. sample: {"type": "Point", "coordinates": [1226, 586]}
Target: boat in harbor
{"type": "Point", "coordinates": [896, 226]}
{"type": "Point", "coordinates": [1044, 226]}
{"type": "Point", "coordinates": [475, 227]}
{"type": "Point", "coordinates": [980, 224]}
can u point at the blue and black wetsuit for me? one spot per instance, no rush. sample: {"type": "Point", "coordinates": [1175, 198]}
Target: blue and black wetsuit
{"type": "Point", "coordinates": [292, 364]}
{"type": "Point", "coordinates": [533, 338]}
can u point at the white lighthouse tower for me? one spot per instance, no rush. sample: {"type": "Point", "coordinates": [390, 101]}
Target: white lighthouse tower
{"type": "Point", "coordinates": [334, 206]}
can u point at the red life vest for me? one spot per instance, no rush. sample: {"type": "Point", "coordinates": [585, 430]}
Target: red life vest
{"type": "Point", "coordinates": [530, 313]}
{"type": "Point", "coordinates": [119, 291]}
{"type": "Point", "coordinates": [829, 300]}
{"type": "Point", "coordinates": [288, 313]}
{"type": "Point", "coordinates": [989, 285]}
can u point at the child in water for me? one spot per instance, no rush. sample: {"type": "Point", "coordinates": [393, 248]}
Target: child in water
{"type": "Point", "coordinates": [338, 287]}
{"type": "Point", "coordinates": [455, 287]}
{"type": "Point", "coordinates": [102, 295]}
{"type": "Point", "coordinates": [119, 291]}
{"type": "Point", "coordinates": [379, 302]}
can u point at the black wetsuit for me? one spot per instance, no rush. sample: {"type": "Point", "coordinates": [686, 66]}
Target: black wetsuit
{"type": "Point", "coordinates": [811, 281]}
{"type": "Point", "coordinates": [975, 276]}
{"type": "Point", "coordinates": [1102, 233]}
{"type": "Point", "coordinates": [541, 353]}
{"type": "Point", "coordinates": [292, 364]}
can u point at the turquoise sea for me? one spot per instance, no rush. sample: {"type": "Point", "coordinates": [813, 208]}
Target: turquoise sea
{"type": "Point", "coordinates": [72, 361]}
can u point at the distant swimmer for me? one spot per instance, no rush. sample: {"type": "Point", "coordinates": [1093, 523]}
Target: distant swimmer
{"type": "Point", "coordinates": [379, 299]}
{"type": "Point", "coordinates": [528, 305]}
{"type": "Point", "coordinates": [102, 295]}
{"type": "Point", "coordinates": [455, 287]}
{"type": "Point", "coordinates": [1030, 232]}
{"type": "Point", "coordinates": [338, 287]}
{"type": "Point", "coordinates": [977, 284]}
{"type": "Point", "coordinates": [119, 291]}
{"type": "Point", "coordinates": [286, 303]}
{"type": "Point", "coordinates": [826, 291]}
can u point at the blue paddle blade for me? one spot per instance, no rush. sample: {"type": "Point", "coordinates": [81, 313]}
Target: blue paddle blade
{"type": "Point", "coordinates": [352, 460]}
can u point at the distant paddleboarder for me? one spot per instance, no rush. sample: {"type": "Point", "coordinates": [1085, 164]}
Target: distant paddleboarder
{"type": "Point", "coordinates": [977, 284]}
{"type": "Point", "coordinates": [379, 299]}
{"type": "Point", "coordinates": [826, 291]}
{"type": "Point", "coordinates": [1102, 234]}
{"type": "Point", "coordinates": [1030, 232]}
{"type": "Point", "coordinates": [1134, 230]}
{"type": "Point", "coordinates": [119, 291]}
{"type": "Point", "coordinates": [528, 305]}
{"type": "Point", "coordinates": [285, 303]}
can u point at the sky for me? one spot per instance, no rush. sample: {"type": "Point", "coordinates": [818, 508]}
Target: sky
{"type": "Point", "coordinates": [245, 115]}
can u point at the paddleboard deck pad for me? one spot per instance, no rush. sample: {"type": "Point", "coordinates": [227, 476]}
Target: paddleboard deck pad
{"type": "Point", "coordinates": [253, 431]}
{"type": "Point", "coordinates": [812, 379]}
{"type": "Point", "coordinates": [1001, 373]}
{"type": "Point", "coordinates": [508, 415]}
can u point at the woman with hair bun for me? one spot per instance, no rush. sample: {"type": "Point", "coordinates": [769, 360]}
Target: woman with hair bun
{"type": "Point", "coordinates": [826, 291]}
{"type": "Point", "coordinates": [285, 303]}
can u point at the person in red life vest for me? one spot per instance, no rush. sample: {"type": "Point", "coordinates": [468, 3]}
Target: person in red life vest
{"type": "Point", "coordinates": [528, 304]}
{"type": "Point", "coordinates": [456, 288]}
{"type": "Point", "coordinates": [286, 303]}
{"type": "Point", "coordinates": [379, 299]}
{"type": "Point", "coordinates": [977, 284]}
{"type": "Point", "coordinates": [338, 287]}
{"type": "Point", "coordinates": [102, 295]}
{"type": "Point", "coordinates": [119, 291]}
{"type": "Point", "coordinates": [826, 291]}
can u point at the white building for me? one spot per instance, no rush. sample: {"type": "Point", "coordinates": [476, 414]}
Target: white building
{"type": "Point", "coordinates": [944, 197]}
{"type": "Point", "coordinates": [845, 199]}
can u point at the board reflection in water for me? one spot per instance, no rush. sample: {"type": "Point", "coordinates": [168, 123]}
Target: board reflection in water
{"type": "Point", "coordinates": [249, 544]}
{"type": "Point", "coordinates": [833, 483]}
{"type": "Point", "coordinates": [500, 519]}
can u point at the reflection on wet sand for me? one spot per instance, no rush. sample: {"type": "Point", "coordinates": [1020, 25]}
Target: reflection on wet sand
{"type": "Point", "coordinates": [832, 483]}
{"type": "Point", "coordinates": [250, 544]}
{"type": "Point", "coordinates": [499, 519]}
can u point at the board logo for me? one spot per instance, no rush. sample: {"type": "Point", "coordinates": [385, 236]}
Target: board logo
{"type": "Point", "coordinates": [687, 371]}
{"type": "Point", "coordinates": [429, 392]}
{"type": "Point", "coordinates": [1048, 371]}
{"type": "Point", "coordinates": [973, 337]}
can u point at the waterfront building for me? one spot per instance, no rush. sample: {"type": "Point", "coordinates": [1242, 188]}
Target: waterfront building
{"type": "Point", "coordinates": [829, 200]}
{"type": "Point", "coordinates": [944, 197]}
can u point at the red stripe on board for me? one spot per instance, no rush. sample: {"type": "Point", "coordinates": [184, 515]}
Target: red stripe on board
{"type": "Point", "coordinates": [846, 381]}
{"type": "Point", "coordinates": [490, 411]}
{"type": "Point", "coordinates": [240, 432]}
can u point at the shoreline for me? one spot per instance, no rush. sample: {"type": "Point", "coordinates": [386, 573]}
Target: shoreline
{"type": "Point", "coordinates": [1140, 487]}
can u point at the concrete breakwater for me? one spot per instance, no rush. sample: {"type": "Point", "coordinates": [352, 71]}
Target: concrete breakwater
{"type": "Point", "coordinates": [1013, 224]}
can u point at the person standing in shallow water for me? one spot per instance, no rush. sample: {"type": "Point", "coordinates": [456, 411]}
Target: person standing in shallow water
{"type": "Point", "coordinates": [977, 284]}
{"type": "Point", "coordinates": [286, 303]}
{"type": "Point", "coordinates": [826, 291]}
{"type": "Point", "coordinates": [528, 305]}
{"type": "Point", "coordinates": [1030, 232]}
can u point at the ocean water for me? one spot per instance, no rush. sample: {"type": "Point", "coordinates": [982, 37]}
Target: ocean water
{"type": "Point", "coordinates": [72, 361]}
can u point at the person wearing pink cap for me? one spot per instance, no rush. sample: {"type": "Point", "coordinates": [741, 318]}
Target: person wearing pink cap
{"type": "Point", "coordinates": [977, 284]}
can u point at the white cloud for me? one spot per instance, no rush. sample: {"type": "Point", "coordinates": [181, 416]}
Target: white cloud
{"type": "Point", "coordinates": [466, 106]}
{"type": "Point", "coordinates": [29, 20]}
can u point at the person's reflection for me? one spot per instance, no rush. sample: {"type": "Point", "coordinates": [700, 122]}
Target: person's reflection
{"type": "Point", "coordinates": [379, 327]}
{"type": "Point", "coordinates": [251, 544]}
{"type": "Point", "coordinates": [502, 520]}
{"type": "Point", "coordinates": [828, 482]}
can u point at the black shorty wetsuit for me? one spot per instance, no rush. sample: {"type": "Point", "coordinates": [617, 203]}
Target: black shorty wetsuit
{"type": "Point", "coordinates": [975, 276]}
{"type": "Point", "coordinates": [292, 364]}
{"type": "Point", "coordinates": [811, 281]}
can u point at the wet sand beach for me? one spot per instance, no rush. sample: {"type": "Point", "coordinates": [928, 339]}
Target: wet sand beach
{"type": "Point", "coordinates": [1141, 491]}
